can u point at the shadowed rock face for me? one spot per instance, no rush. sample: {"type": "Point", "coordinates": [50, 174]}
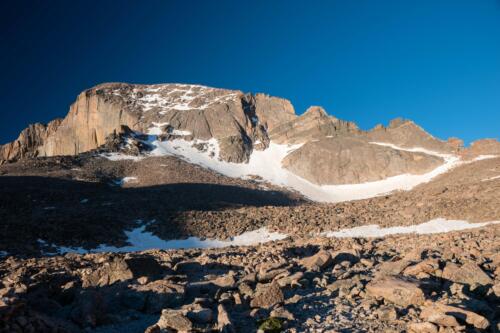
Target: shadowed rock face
{"type": "Point", "coordinates": [349, 160]}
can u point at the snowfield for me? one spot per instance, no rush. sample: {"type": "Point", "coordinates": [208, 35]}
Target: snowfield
{"type": "Point", "coordinates": [431, 227]}
{"type": "Point", "coordinates": [267, 165]}
{"type": "Point", "coordinates": [141, 240]}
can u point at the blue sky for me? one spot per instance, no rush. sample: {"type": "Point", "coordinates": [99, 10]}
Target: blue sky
{"type": "Point", "coordinates": [434, 61]}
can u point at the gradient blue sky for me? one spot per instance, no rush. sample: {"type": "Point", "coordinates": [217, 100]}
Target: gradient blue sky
{"type": "Point", "coordinates": [434, 61]}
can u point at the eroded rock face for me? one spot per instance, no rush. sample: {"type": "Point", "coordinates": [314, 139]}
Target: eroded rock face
{"type": "Point", "coordinates": [26, 145]}
{"type": "Point", "coordinates": [407, 134]}
{"type": "Point", "coordinates": [348, 160]}
{"type": "Point", "coordinates": [482, 147]}
{"type": "Point", "coordinates": [315, 123]}
{"type": "Point", "coordinates": [190, 112]}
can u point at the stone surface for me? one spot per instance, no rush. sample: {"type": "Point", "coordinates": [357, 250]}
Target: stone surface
{"type": "Point", "coordinates": [268, 296]}
{"type": "Point", "coordinates": [469, 273]}
{"type": "Point", "coordinates": [397, 290]}
{"type": "Point", "coordinates": [353, 160]}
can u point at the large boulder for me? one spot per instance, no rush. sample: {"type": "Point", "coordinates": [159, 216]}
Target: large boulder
{"type": "Point", "coordinates": [432, 311]}
{"type": "Point", "coordinates": [268, 296]}
{"type": "Point", "coordinates": [122, 269]}
{"type": "Point", "coordinates": [397, 290]}
{"type": "Point", "coordinates": [469, 273]}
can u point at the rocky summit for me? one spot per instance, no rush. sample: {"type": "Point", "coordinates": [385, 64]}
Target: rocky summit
{"type": "Point", "coordinates": [185, 208]}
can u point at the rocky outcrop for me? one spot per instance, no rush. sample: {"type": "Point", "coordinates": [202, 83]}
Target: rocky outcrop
{"type": "Point", "coordinates": [236, 120]}
{"type": "Point", "coordinates": [407, 134]}
{"type": "Point", "coordinates": [93, 117]}
{"type": "Point", "coordinates": [48, 294]}
{"type": "Point", "coordinates": [314, 124]}
{"type": "Point", "coordinates": [348, 160]}
{"type": "Point", "coordinates": [482, 147]}
{"type": "Point", "coordinates": [26, 145]}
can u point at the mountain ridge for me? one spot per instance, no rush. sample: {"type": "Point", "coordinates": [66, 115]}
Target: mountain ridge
{"type": "Point", "coordinates": [239, 124]}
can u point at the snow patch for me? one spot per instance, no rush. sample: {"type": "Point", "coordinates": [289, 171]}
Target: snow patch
{"type": "Point", "coordinates": [435, 226]}
{"type": "Point", "coordinates": [491, 178]}
{"type": "Point", "coordinates": [142, 240]}
{"type": "Point", "coordinates": [413, 150]}
{"type": "Point", "coordinates": [124, 180]}
{"type": "Point", "coordinates": [267, 164]}
{"type": "Point", "coordinates": [484, 157]}
{"type": "Point", "coordinates": [121, 157]}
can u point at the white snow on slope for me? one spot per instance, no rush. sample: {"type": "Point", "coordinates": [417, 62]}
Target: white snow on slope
{"type": "Point", "coordinates": [491, 178]}
{"type": "Point", "coordinates": [267, 165]}
{"type": "Point", "coordinates": [182, 97]}
{"type": "Point", "coordinates": [124, 180]}
{"type": "Point", "coordinates": [121, 157]}
{"type": "Point", "coordinates": [413, 150]}
{"type": "Point", "coordinates": [435, 226]}
{"type": "Point", "coordinates": [141, 240]}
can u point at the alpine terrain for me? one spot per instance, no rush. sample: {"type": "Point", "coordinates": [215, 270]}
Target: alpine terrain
{"type": "Point", "coordinates": [185, 208]}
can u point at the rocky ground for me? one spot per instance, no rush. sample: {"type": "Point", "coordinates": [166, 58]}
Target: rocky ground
{"type": "Point", "coordinates": [38, 198]}
{"type": "Point", "coordinates": [428, 283]}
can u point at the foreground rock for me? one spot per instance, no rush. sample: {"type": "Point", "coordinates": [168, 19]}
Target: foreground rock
{"type": "Point", "coordinates": [396, 290]}
{"type": "Point", "coordinates": [294, 285]}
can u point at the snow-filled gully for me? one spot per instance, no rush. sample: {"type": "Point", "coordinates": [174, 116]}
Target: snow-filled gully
{"type": "Point", "coordinates": [141, 240]}
{"type": "Point", "coordinates": [267, 164]}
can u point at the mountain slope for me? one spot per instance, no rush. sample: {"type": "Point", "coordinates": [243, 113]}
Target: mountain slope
{"type": "Point", "coordinates": [247, 135]}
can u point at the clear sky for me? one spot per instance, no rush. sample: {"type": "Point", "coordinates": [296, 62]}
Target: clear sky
{"type": "Point", "coordinates": [434, 61]}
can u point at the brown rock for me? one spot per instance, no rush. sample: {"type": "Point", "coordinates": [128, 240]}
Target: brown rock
{"type": "Point", "coordinates": [396, 290]}
{"type": "Point", "coordinates": [469, 273]}
{"type": "Point", "coordinates": [348, 160]}
{"type": "Point", "coordinates": [422, 328]}
{"type": "Point", "coordinates": [224, 323]}
{"type": "Point", "coordinates": [319, 261]}
{"type": "Point", "coordinates": [433, 309]}
{"type": "Point", "coordinates": [268, 296]}
{"type": "Point", "coordinates": [174, 320]}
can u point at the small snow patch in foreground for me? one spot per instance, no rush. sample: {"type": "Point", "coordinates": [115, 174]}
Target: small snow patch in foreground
{"type": "Point", "coordinates": [121, 182]}
{"type": "Point", "coordinates": [432, 227]}
{"type": "Point", "coordinates": [142, 240]}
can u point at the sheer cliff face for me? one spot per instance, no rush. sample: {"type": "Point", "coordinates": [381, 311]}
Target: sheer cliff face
{"type": "Point", "coordinates": [90, 120]}
{"type": "Point", "coordinates": [235, 119]}
{"type": "Point", "coordinates": [332, 151]}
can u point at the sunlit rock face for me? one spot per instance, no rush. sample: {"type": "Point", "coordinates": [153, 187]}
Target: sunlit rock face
{"type": "Point", "coordinates": [233, 126]}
